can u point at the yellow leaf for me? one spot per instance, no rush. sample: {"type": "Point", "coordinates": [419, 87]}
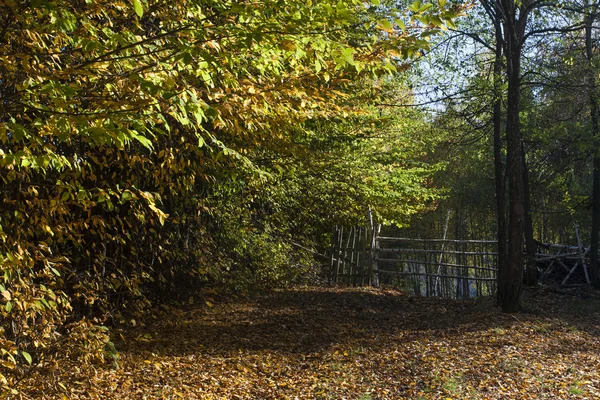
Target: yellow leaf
{"type": "Point", "coordinates": [287, 44]}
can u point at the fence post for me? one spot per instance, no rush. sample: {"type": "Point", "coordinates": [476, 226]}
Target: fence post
{"type": "Point", "coordinates": [366, 258]}
{"type": "Point", "coordinates": [338, 252]}
{"type": "Point", "coordinates": [438, 282]}
{"type": "Point", "coordinates": [375, 258]}
{"type": "Point", "coordinates": [332, 258]}
{"type": "Point", "coordinates": [358, 268]}
{"type": "Point", "coordinates": [371, 247]}
{"type": "Point", "coordinates": [345, 256]}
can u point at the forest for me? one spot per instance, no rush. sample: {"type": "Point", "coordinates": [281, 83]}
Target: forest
{"type": "Point", "coordinates": [365, 199]}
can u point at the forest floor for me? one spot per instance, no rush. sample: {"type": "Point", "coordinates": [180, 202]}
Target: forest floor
{"type": "Point", "coordinates": [319, 343]}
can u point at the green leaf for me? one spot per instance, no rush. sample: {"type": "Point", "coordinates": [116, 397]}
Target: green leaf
{"type": "Point", "coordinates": [27, 357]}
{"type": "Point", "coordinates": [425, 19]}
{"type": "Point", "coordinates": [147, 143]}
{"type": "Point", "coordinates": [8, 306]}
{"type": "Point", "coordinates": [348, 55]}
{"type": "Point", "coordinates": [414, 7]}
{"type": "Point", "coordinates": [400, 23]}
{"type": "Point", "coordinates": [187, 58]}
{"type": "Point", "coordinates": [425, 7]}
{"type": "Point", "coordinates": [126, 196]}
{"type": "Point", "coordinates": [437, 21]}
{"type": "Point", "coordinates": [137, 6]}
{"type": "Point", "coordinates": [386, 24]}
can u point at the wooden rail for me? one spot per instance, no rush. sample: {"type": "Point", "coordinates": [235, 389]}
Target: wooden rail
{"type": "Point", "coordinates": [457, 268]}
{"type": "Point", "coordinates": [429, 267]}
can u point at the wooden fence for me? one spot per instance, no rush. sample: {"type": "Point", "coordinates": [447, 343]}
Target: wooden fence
{"type": "Point", "coordinates": [568, 263]}
{"type": "Point", "coordinates": [441, 267]}
{"type": "Point", "coordinates": [428, 267]}
{"type": "Point", "coordinates": [351, 259]}
{"type": "Point", "coordinates": [438, 267]}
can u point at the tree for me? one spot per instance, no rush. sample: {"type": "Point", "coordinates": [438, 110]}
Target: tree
{"type": "Point", "coordinates": [510, 29]}
{"type": "Point", "coordinates": [591, 15]}
{"type": "Point", "coordinates": [509, 22]}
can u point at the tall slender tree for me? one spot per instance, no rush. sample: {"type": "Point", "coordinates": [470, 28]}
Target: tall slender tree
{"type": "Point", "coordinates": [492, 12]}
{"type": "Point", "coordinates": [590, 18]}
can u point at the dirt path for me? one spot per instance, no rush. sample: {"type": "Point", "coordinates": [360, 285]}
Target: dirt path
{"type": "Point", "coordinates": [317, 343]}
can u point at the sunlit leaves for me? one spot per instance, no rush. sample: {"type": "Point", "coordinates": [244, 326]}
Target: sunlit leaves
{"type": "Point", "coordinates": [137, 6]}
{"type": "Point", "coordinates": [363, 344]}
{"type": "Point", "coordinates": [127, 129]}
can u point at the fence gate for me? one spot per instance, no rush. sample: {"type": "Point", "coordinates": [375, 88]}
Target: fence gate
{"type": "Point", "coordinates": [351, 259]}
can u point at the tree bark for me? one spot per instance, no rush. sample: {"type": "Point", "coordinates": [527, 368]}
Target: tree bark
{"type": "Point", "coordinates": [593, 104]}
{"type": "Point", "coordinates": [498, 164]}
{"type": "Point", "coordinates": [530, 244]}
{"type": "Point", "coordinates": [511, 280]}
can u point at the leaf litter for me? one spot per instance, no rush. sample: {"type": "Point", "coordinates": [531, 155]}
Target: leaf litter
{"type": "Point", "coordinates": [348, 343]}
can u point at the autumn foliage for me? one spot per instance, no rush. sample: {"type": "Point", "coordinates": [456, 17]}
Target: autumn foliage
{"type": "Point", "coordinates": [141, 148]}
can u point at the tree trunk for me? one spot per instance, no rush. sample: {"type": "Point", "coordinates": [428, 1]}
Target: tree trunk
{"type": "Point", "coordinates": [498, 165]}
{"type": "Point", "coordinates": [530, 244]}
{"type": "Point", "coordinates": [511, 281]}
{"type": "Point", "coordinates": [593, 103]}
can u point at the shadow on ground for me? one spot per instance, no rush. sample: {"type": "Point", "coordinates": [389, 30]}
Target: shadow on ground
{"type": "Point", "coordinates": [310, 321]}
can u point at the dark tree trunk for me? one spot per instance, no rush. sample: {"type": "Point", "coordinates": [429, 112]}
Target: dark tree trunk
{"type": "Point", "coordinates": [498, 164]}
{"type": "Point", "coordinates": [530, 244]}
{"type": "Point", "coordinates": [511, 281]}
{"type": "Point", "coordinates": [593, 102]}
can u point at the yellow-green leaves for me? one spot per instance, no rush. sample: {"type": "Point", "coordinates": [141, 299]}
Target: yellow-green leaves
{"type": "Point", "coordinates": [137, 6]}
{"type": "Point", "coordinates": [131, 132]}
{"type": "Point", "coordinates": [400, 23]}
{"type": "Point", "coordinates": [27, 357]}
{"type": "Point", "coordinates": [386, 24]}
{"type": "Point", "coordinates": [415, 6]}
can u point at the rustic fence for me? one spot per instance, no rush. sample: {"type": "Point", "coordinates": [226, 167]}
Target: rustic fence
{"type": "Point", "coordinates": [351, 260]}
{"type": "Point", "coordinates": [428, 267]}
{"type": "Point", "coordinates": [438, 267]}
{"type": "Point", "coordinates": [566, 263]}
{"type": "Point", "coordinates": [441, 267]}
